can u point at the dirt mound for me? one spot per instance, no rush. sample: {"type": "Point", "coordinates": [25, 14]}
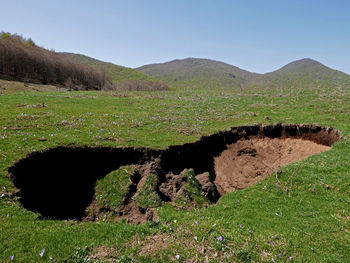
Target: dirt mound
{"type": "Point", "coordinates": [69, 182]}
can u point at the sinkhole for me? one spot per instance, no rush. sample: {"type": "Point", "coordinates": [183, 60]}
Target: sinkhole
{"type": "Point", "coordinates": [60, 183]}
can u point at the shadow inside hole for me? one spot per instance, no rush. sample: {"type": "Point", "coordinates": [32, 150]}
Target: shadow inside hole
{"type": "Point", "coordinates": [59, 183]}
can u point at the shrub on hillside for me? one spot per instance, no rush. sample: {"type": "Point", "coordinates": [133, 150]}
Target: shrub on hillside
{"type": "Point", "coordinates": [142, 85]}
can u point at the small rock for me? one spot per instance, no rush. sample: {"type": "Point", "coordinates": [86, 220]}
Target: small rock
{"type": "Point", "coordinates": [66, 123]}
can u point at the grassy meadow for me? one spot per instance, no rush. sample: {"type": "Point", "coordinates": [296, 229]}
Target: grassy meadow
{"type": "Point", "coordinates": [264, 223]}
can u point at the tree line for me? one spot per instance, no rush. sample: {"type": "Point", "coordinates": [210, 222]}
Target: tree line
{"type": "Point", "coordinates": [21, 59]}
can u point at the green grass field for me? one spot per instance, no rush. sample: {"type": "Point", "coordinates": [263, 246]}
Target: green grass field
{"type": "Point", "coordinates": [257, 224]}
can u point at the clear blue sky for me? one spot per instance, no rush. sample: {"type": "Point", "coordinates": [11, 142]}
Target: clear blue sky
{"type": "Point", "coordinates": [256, 35]}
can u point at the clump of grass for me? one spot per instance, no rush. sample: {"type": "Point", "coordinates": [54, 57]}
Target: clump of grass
{"type": "Point", "coordinates": [111, 190]}
{"type": "Point", "coordinates": [147, 196]}
{"type": "Point", "coordinates": [192, 194]}
{"type": "Point", "coordinates": [80, 255]}
{"type": "Point", "coordinates": [194, 188]}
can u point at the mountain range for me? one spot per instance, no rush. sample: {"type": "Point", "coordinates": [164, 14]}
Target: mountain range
{"type": "Point", "coordinates": [206, 73]}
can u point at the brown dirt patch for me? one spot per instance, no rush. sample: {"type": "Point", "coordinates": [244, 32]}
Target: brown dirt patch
{"type": "Point", "coordinates": [153, 244]}
{"type": "Point", "coordinates": [135, 214]}
{"type": "Point", "coordinates": [248, 161]}
{"type": "Point", "coordinates": [106, 254]}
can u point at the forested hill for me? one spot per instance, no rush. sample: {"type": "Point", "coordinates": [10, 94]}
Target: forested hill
{"type": "Point", "coordinates": [21, 59]}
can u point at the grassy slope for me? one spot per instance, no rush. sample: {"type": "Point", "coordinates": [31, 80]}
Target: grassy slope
{"type": "Point", "coordinates": [303, 73]}
{"type": "Point", "coordinates": [195, 72]}
{"type": "Point", "coordinates": [310, 227]}
{"type": "Point", "coordinates": [117, 73]}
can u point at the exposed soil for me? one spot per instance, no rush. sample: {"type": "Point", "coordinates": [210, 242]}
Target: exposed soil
{"type": "Point", "coordinates": [248, 161]}
{"type": "Point", "coordinates": [59, 183]}
{"type": "Point", "coordinates": [152, 244]}
{"type": "Point", "coordinates": [103, 253]}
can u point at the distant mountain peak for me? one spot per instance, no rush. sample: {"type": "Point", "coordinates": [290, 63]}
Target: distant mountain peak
{"type": "Point", "coordinates": [305, 62]}
{"type": "Point", "coordinates": [200, 72]}
{"type": "Point", "coordinates": [304, 73]}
